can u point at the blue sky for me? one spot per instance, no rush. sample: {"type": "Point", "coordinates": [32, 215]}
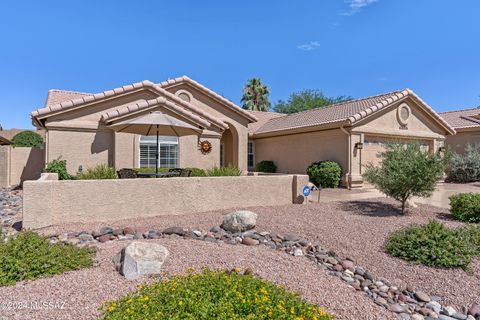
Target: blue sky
{"type": "Point", "coordinates": [355, 47]}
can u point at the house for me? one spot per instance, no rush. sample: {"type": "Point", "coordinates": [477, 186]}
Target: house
{"type": "Point", "coordinates": [79, 128]}
{"type": "Point", "coordinates": [466, 123]}
{"type": "Point", "coordinates": [350, 133]}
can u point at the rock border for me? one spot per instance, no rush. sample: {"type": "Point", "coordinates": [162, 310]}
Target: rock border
{"type": "Point", "coordinates": [407, 303]}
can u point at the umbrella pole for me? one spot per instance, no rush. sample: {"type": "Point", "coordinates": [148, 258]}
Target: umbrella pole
{"type": "Point", "coordinates": [157, 155]}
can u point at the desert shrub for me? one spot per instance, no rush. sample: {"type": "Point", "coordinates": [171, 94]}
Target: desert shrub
{"type": "Point", "coordinates": [327, 174]}
{"type": "Point", "coordinates": [465, 206]}
{"type": "Point", "coordinates": [223, 172]}
{"type": "Point", "coordinates": [99, 172]}
{"type": "Point", "coordinates": [27, 139]}
{"type": "Point", "coordinates": [266, 166]}
{"type": "Point", "coordinates": [212, 295]}
{"type": "Point", "coordinates": [465, 167]}
{"type": "Point", "coordinates": [151, 169]}
{"type": "Point", "coordinates": [432, 245]}
{"type": "Point", "coordinates": [471, 235]}
{"type": "Point", "coordinates": [197, 172]}
{"type": "Point", "coordinates": [29, 256]}
{"type": "Point", "coordinates": [406, 171]}
{"type": "Point", "coordinates": [60, 167]}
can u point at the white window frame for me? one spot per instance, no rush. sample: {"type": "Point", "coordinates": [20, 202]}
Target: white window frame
{"type": "Point", "coordinates": [163, 141]}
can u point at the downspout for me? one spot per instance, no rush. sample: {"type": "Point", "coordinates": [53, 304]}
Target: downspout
{"type": "Point", "coordinates": [349, 160]}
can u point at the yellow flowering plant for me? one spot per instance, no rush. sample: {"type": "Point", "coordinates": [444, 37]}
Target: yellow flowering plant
{"type": "Point", "coordinates": [210, 294]}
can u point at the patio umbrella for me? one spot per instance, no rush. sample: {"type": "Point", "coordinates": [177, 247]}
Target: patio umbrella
{"type": "Point", "coordinates": [159, 124]}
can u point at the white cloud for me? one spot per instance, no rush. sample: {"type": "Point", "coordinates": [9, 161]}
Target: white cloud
{"type": "Point", "coordinates": [356, 6]}
{"type": "Point", "coordinates": [312, 45]}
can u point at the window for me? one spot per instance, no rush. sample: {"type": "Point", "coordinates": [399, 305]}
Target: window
{"type": "Point", "coordinates": [251, 154]}
{"type": "Point", "coordinates": [168, 157]}
{"type": "Point", "coordinates": [222, 155]}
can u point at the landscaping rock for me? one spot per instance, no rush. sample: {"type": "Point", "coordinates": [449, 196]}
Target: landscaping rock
{"type": "Point", "coordinates": [128, 230]}
{"type": "Point", "coordinates": [474, 310]}
{"type": "Point", "coordinates": [249, 241]}
{"type": "Point", "coordinates": [106, 230]}
{"type": "Point", "coordinates": [422, 296]}
{"type": "Point", "coordinates": [174, 230]}
{"type": "Point", "coordinates": [239, 221]}
{"type": "Point", "coordinates": [140, 258]}
{"type": "Point", "coordinates": [103, 238]}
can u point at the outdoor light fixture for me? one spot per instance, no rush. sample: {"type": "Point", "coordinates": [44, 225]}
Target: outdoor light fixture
{"type": "Point", "coordinates": [441, 149]}
{"type": "Point", "coordinates": [359, 145]}
{"type": "Point", "coordinates": [80, 168]}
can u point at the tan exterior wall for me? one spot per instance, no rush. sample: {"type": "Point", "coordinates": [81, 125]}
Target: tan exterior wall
{"type": "Point", "coordinates": [458, 142]}
{"type": "Point", "coordinates": [5, 166]}
{"type": "Point", "coordinates": [52, 202]}
{"type": "Point", "coordinates": [294, 153]}
{"type": "Point", "coordinates": [238, 124]}
{"type": "Point", "coordinates": [81, 148]}
{"type": "Point", "coordinates": [20, 164]}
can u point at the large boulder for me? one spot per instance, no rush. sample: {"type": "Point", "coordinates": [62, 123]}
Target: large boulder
{"type": "Point", "coordinates": [140, 258]}
{"type": "Point", "coordinates": [239, 221]}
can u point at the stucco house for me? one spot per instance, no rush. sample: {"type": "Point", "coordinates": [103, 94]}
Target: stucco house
{"type": "Point", "coordinates": [79, 128]}
{"type": "Point", "coordinates": [466, 123]}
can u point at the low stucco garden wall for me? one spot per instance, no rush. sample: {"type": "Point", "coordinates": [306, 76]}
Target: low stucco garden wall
{"type": "Point", "coordinates": [49, 202]}
{"type": "Point", "coordinates": [20, 164]}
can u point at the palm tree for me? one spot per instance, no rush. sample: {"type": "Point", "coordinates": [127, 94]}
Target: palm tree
{"type": "Point", "coordinates": [255, 96]}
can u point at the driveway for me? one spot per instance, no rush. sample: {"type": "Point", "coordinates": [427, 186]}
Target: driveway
{"type": "Point", "coordinates": [438, 199]}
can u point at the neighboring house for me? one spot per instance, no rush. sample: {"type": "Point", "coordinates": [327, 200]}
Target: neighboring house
{"type": "Point", "coordinates": [4, 141]}
{"type": "Point", "coordinates": [78, 129]}
{"type": "Point", "coordinates": [467, 125]}
{"type": "Point", "coordinates": [78, 126]}
{"type": "Point", "coordinates": [350, 133]}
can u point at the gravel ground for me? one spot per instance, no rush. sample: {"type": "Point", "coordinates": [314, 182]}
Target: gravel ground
{"type": "Point", "coordinates": [84, 290]}
{"type": "Point", "coordinates": [355, 229]}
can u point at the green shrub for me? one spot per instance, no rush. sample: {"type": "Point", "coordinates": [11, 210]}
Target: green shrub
{"type": "Point", "coordinates": [327, 174]}
{"type": "Point", "coordinates": [29, 256]}
{"type": "Point", "coordinates": [471, 235]}
{"type": "Point", "coordinates": [406, 171]}
{"type": "Point", "coordinates": [60, 167]}
{"type": "Point", "coordinates": [465, 206]}
{"type": "Point", "coordinates": [196, 172]}
{"type": "Point", "coordinates": [151, 169]}
{"type": "Point", "coordinates": [432, 245]}
{"type": "Point", "coordinates": [465, 167]}
{"type": "Point", "coordinates": [212, 295]}
{"type": "Point", "coordinates": [223, 172]}
{"type": "Point", "coordinates": [100, 172]}
{"type": "Point", "coordinates": [266, 166]}
{"type": "Point", "coordinates": [27, 139]}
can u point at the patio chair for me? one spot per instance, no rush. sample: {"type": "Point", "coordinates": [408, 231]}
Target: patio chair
{"type": "Point", "coordinates": [185, 173]}
{"type": "Point", "coordinates": [126, 173]}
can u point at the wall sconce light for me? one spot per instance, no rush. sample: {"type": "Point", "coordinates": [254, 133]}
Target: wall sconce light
{"type": "Point", "coordinates": [80, 168]}
{"type": "Point", "coordinates": [441, 149]}
{"type": "Point", "coordinates": [359, 145]}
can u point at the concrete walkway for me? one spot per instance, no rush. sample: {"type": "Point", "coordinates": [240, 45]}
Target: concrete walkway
{"type": "Point", "coordinates": [438, 199]}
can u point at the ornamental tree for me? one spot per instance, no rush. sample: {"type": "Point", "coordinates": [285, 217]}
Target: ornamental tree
{"type": "Point", "coordinates": [406, 171]}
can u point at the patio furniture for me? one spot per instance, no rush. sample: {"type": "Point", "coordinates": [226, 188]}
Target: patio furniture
{"type": "Point", "coordinates": [181, 172]}
{"type": "Point", "coordinates": [127, 174]}
{"type": "Point", "coordinates": [153, 174]}
{"type": "Point", "coordinates": [157, 123]}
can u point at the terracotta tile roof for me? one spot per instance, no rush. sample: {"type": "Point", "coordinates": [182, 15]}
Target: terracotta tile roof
{"type": "Point", "coordinates": [262, 118]}
{"type": "Point", "coordinates": [4, 142]}
{"type": "Point", "coordinates": [78, 102]}
{"type": "Point", "coordinates": [465, 118]}
{"type": "Point", "coordinates": [144, 104]}
{"type": "Point", "coordinates": [346, 112]}
{"type": "Point", "coordinates": [208, 92]}
{"type": "Point", "coordinates": [56, 96]}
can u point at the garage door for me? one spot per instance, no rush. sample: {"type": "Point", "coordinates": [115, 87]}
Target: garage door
{"type": "Point", "coordinates": [373, 145]}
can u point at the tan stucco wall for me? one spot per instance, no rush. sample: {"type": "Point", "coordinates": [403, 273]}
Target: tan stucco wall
{"type": "Point", "coordinates": [238, 123]}
{"type": "Point", "coordinates": [294, 153]}
{"type": "Point", "coordinates": [80, 148]}
{"type": "Point", "coordinates": [20, 164]}
{"type": "Point", "coordinates": [4, 166]}
{"type": "Point", "coordinates": [458, 142]}
{"type": "Point", "coordinates": [53, 202]}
